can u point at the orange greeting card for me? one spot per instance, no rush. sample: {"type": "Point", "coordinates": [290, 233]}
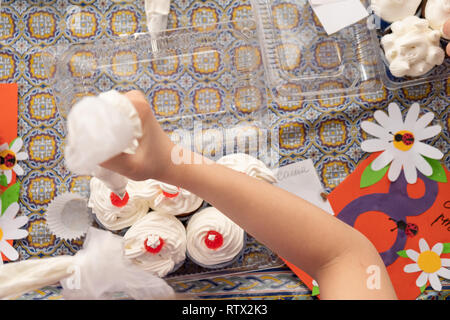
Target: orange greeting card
{"type": "Point", "coordinates": [409, 224]}
{"type": "Point", "coordinates": [8, 121]}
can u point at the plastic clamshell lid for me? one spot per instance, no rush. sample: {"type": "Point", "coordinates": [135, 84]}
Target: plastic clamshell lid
{"type": "Point", "coordinates": [205, 84]}
{"type": "Point", "coordinates": [304, 62]}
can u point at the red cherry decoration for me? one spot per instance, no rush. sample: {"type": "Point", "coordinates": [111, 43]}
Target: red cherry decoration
{"type": "Point", "coordinates": [213, 240]}
{"type": "Point", "coordinates": [117, 201]}
{"type": "Point", "coordinates": [170, 195]}
{"type": "Point", "coordinates": [156, 249]}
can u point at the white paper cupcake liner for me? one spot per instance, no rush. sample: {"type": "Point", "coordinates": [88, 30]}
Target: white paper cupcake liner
{"type": "Point", "coordinates": [68, 216]}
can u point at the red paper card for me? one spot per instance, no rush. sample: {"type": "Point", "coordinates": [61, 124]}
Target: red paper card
{"type": "Point", "coordinates": [425, 205]}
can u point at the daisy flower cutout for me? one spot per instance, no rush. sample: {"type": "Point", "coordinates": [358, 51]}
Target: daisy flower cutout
{"type": "Point", "coordinates": [9, 155]}
{"type": "Point", "coordinates": [9, 230]}
{"type": "Point", "coordinates": [430, 263]}
{"type": "Point", "coordinates": [400, 142]}
{"type": "Point", "coordinates": [315, 289]}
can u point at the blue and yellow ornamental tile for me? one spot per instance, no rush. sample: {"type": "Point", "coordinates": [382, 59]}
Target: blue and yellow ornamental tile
{"type": "Point", "coordinates": [334, 172]}
{"type": "Point", "coordinates": [123, 21]}
{"type": "Point", "coordinates": [166, 101]}
{"type": "Point", "coordinates": [206, 60]}
{"type": "Point", "coordinates": [247, 58]}
{"type": "Point", "coordinates": [204, 18]}
{"type": "Point", "coordinates": [8, 30]}
{"type": "Point", "coordinates": [79, 184]}
{"type": "Point", "coordinates": [9, 61]}
{"type": "Point", "coordinates": [248, 98]}
{"type": "Point", "coordinates": [38, 70]}
{"type": "Point", "coordinates": [207, 100]}
{"type": "Point", "coordinates": [42, 25]}
{"type": "Point", "coordinates": [292, 135]}
{"type": "Point", "coordinates": [285, 16]}
{"type": "Point", "coordinates": [165, 67]}
{"type": "Point", "coordinates": [84, 24]}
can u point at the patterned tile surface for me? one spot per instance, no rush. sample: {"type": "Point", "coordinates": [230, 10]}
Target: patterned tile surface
{"type": "Point", "coordinates": [326, 130]}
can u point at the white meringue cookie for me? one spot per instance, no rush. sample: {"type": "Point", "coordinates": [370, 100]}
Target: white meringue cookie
{"type": "Point", "coordinates": [156, 243]}
{"type": "Point", "coordinates": [166, 198]}
{"type": "Point", "coordinates": [394, 10]}
{"type": "Point", "coordinates": [111, 216]}
{"type": "Point", "coordinates": [212, 238]}
{"type": "Point", "coordinates": [437, 12]}
{"type": "Point", "coordinates": [249, 165]}
{"type": "Point", "coordinates": [412, 49]}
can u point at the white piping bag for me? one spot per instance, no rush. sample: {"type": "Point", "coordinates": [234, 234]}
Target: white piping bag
{"type": "Point", "coordinates": [100, 128]}
{"type": "Point", "coordinates": [98, 271]}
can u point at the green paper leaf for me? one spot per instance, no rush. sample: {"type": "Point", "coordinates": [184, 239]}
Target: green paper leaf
{"type": "Point", "coordinates": [438, 170]}
{"type": "Point", "coordinates": [422, 288]}
{"type": "Point", "coordinates": [3, 181]}
{"type": "Point", "coordinates": [315, 291]}
{"type": "Point", "coordinates": [12, 142]}
{"type": "Point", "coordinates": [10, 196]}
{"type": "Point", "coordinates": [402, 253]}
{"type": "Point", "coordinates": [370, 176]}
{"type": "Point", "coordinates": [446, 247]}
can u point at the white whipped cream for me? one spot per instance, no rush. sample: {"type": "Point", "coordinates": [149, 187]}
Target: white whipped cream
{"type": "Point", "coordinates": [99, 128]}
{"type": "Point", "coordinates": [412, 49]}
{"type": "Point", "coordinates": [249, 165]}
{"type": "Point", "coordinates": [200, 226]}
{"type": "Point", "coordinates": [154, 228]}
{"type": "Point", "coordinates": [166, 198]}
{"type": "Point", "coordinates": [110, 216]}
{"type": "Point", "coordinates": [394, 10]}
{"type": "Point", "coordinates": [437, 12]}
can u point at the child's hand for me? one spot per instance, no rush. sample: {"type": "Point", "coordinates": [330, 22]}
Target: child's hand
{"type": "Point", "coordinates": [447, 34]}
{"type": "Point", "coordinates": [153, 156]}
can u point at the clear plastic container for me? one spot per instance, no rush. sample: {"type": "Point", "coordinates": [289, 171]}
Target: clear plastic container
{"type": "Point", "coordinates": [303, 62]}
{"type": "Point", "coordinates": [206, 86]}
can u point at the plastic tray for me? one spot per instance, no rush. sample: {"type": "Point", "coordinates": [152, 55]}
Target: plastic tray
{"type": "Point", "coordinates": [304, 63]}
{"type": "Point", "coordinates": [205, 85]}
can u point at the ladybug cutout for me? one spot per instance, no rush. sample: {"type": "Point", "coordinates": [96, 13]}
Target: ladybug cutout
{"type": "Point", "coordinates": [410, 229]}
{"type": "Point", "coordinates": [406, 138]}
{"type": "Point", "coordinates": [9, 160]}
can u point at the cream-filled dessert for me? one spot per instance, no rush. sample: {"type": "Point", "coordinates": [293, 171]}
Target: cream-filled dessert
{"type": "Point", "coordinates": [166, 198]}
{"type": "Point", "coordinates": [412, 49]}
{"type": "Point", "coordinates": [115, 212]}
{"type": "Point", "coordinates": [249, 165]}
{"type": "Point", "coordinates": [437, 12]}
{"type": "Point", "coordinates": [156, 243]}
{"type": "Point", "coordinates": [394, 10]}
{"type": "Point", "coordinates": [212, 238]}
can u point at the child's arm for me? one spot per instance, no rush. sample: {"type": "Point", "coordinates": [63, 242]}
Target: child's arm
{"type": "Point", "coordinates": [332, 252]}
{"type": "Point", "coordinates": [447, 34]}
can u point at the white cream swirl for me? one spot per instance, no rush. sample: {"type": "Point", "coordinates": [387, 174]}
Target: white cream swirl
{"type": "Point", "coordinates": [209, 223]}
{"type": "Point", "coordinates": [249, 165]}
{"type": "Point", "coordinates": [110, 216]}
{"type": "Point", "coordinates": [412, 49]}
{"type": "Point", "coordinates": [156, 230]}
{"type": "Point", "coordinates": [437, 12]}
{"type": "Point", "coordinates": [163, 197]}
{"type": "Point", "coordinates": [394, 10]}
